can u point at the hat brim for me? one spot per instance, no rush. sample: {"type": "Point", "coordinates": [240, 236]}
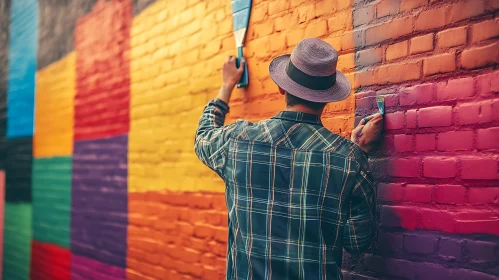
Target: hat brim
{"type": "Point", "coordinates": [340, 90]}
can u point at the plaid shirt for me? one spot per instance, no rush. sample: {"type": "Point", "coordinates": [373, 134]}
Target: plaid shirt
{"type": "Point", "coordinates": [297, 194]}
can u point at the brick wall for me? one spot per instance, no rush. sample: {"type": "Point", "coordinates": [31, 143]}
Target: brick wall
{"type": "Point", "coordinates": [120, 86]}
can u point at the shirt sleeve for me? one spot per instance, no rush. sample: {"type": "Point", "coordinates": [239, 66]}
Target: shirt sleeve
{"type": "Point", "coordinates": [212, 136]}
{"type": "Point", "coordinates": [360, 228]}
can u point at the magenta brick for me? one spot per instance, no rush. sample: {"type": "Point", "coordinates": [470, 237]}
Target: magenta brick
{"type": "Point", "coordinates": [484, 195]}
{"type": "Point", "coordinates": [488, 138]}
{"type": "Point", "coordinates": [419, 94]}
{"type": "Point", "coordinates": [399, 216]}
{"type": "Point", "coordinates": [411, 118]}
{"type": "Point", "coordinates": [366, 103]}
{"type": "Point", "coordinates": [495, 110]}
{"type": "Point", "coordinates": [473, 113]}
{"type": "Point", "coordinates": [390, 192]}
{"type": "Point", "coordinates": [433, 219]}
{"type": "Point", "coordinates": [391, 100]}
{"type": "Point", "coordinates": [435, 116]}
{"type": "Point", "coordinates": [479, 168]}
{"type": "Point", "coordinates": [420, 244]}
{"type": "Point", "coordinates": [455, 141]}
{"type": "Point", "coordinates": [439, 167]}
{"type": "Point", "coordinates": [394, 120]}
{"type": "Point", "coordinates": [84, 268]}
{"type": "Point", "coordinates": [400, 268]}
{"type": "Point", "coordinates": [425, 142]}
{"type": "Point", "coordinates": [404, 167]}
{"type": "Point", "coordinates": [432, 271]}
{"type": "Point", "coordinates": [490, 226]}
{"type": "Point", "coordinates": [484, 83]}
{"type": "Point", "coordinates": [418, 193]}
{"type": "Point", "coordinates": [455, 89]}
{"type": "Point", "coordinates": [402, 143]}
{"type": "Point", "coordinates": [450, 194]}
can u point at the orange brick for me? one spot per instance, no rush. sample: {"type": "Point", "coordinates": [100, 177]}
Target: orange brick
{"type": "Point", "coordinates": [452, 37]}
{"type": "Point", "coordinates": [283, 22]}
{"type": "Point", "coordinates": [388, 7]}
{"type": "Point", "coordinates": [259, 12]}
{"type": "Point", "coordinates": [343, 4]}
{"type": "Point", "coordinates": [325, 7]}
{"type": "Point", "coordinates": [340, 21]}
{"type": "Point", "coordinates": [316, 29]}
{"type": "Point", "coordinates": [294, 36]}
{"type": "Point", "coordinates": [485, 30]}
{"type": "Point", "coordinates": [263, 29]}
{"type": "Point", "coordinates": [389, 30]}
{"type": "Point", "coordinates": [364, 78]}
{"type": "Point", "coordinates": [396, 73]}
{"type": "Point", "coordinates": [397, 50]}
{"type": "Point", "coordinates": [408, 5]}
{"type": "Point", "coordinates": [278, 6]}
{"type": "Point", "coordinates": [439, 64]}
{"type": "Point", "coordinates": [480, 57]}
{"type": "Point", "coordinates": [422, 44]}
{"type": "Point", "coordinates": [304, 13]}
{"type": "Point", "coordinates": [431, 19]}
{"type": "Point", "coordinates": [466, 9]}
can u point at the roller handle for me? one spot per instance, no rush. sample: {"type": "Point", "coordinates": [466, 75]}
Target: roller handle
{"type": "Point", "coordinates": [244, 78]}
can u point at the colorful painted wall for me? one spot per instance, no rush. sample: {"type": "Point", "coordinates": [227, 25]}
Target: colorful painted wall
{"type": "Point", "coordinates": [99, 102]}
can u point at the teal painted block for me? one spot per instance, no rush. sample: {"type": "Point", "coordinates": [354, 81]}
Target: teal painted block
{"type": "Point", "coordinates": [51, 191]}
{"type": "Point", "coordinates": [17, 241]}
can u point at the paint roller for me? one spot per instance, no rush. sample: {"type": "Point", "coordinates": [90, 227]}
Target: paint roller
{"type": "Point", "coordinates": [241, 10]}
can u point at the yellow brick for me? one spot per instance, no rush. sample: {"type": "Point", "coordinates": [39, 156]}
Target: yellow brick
{"type": "Point", "coordinates": [55, 90]}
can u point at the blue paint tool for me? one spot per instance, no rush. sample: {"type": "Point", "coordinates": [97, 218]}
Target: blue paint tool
{"type": "Point", "coordinates": [241, 10]}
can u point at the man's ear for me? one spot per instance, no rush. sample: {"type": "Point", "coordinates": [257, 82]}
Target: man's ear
{"type": "Point", "coordinates": [281, 91]}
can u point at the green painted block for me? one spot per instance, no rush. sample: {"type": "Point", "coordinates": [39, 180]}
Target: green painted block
{"type": "Point", "coordinates": [17, 241]}
{"type": "Point", "coordinates": [51, 191]}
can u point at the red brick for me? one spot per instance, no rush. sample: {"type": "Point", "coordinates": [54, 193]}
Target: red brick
{"type": "Point", "coordinates": [439, 167]}
{"type": "Point", "coordinates": [419, 94]}
{"type": "Point", "coordinates": [390, 192]}
{"type": "Point", "coordinates": [422, 44]}
{"type": "Point", "coordinates": [418, 193]}
{"type": "Point", "coordinates": [394, 120]}
{"type": "Point", "coordinates": [480, 57]}
{"type": "Point", "coordinates": [478, 226]}
{"type": "Point", "coordinates": [403, 143]}
{"type": "Point", "coordinates": [476, 112]}
{"type": "Point", "coordinates": [397, 50]}
{"type": "Point", "coordinates": [389, 30]}
{"type": "Point", "coordinates": [455, 89]}
{"type": "Point", "coordinates": [404, 167]}
{"type": "Point", "coordinates": [387, 8]}
{"type": "Point", "coordinates": [484, 30]}
{"type": "Point", "coordinates": [411, 119]}
{"type": "Point", "coordinates": [439, 64]}
{"type": "Point", "coordinates": [435, 116]}
{"type": "Point", "coordinates": [368, 57]}
{"type": "Point", "coordinates": [450, 194]}
{"type": "Point", "coordinates": [400, 72]}
{"type": "Point", "coordinates": [399, 216]}
{"type": "Point", "coordinates": [466, 9]}
{"type": "Point", "coordinates": [452, 37]}
{"type": "Point", "coordinates": [425, 142]}
{"type": "Point", "coordinates": [479, 168]}
{"type": "Point", "coordinates": [413, 4]}
{"type": "Point", "coordinates": [363, 15]}
{"type": "Point", "coordinates": [432, 219]}
{"type": "Point", "coordinates": [455, 141]}
{"type": "Point", "coordinates": [488, 83]}
{"type": "Point", "coordinates": [316, 29]}
{"type": "Point", "coordinates": [488, 138]}
{"type": "Point", "coordinates": [430, 19]}
{"type": "Point", "coordinates": [484, 195]}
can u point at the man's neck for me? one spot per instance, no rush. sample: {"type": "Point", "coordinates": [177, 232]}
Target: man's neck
{"type": "Point", "coordinates": [304, 109]}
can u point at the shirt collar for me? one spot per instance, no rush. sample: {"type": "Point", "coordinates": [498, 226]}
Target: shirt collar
{"type": "Point", "coordinates": [298, 117]}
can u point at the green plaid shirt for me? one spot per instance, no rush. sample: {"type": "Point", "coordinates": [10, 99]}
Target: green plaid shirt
{"type": "Point", "coordinates": [297, 194]}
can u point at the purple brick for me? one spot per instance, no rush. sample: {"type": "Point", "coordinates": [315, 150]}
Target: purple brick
{"type": "Point", "coordinates": [433, 271]}
{"type": "Point", "coordinates": [465, 274]}
{"type": "Point", "coordinates": [99, 211]}
{"type": "Point", "coordinates": [374, 263]}
{"type": "Point", "coordinates": [481, 251]}
{"type": "Point", "coordinates": [400, 268]}
{"type": "Point", "coordinates": [420, 244]}
{"type": "Point", "coordinates": [389, 243]}
{"type": "Point", "coordinates": [84, 268]}
{"type": "Point", "coordinates": [450, 249]}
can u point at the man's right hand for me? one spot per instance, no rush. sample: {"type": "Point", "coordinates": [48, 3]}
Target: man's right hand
{"type": "Point", "coordinates": [367, 134]}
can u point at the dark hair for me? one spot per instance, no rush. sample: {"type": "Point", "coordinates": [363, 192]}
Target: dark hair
{"type": "Point", "coordinates": [292, 100]}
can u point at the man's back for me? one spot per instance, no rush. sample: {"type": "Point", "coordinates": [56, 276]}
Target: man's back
{"type": "Point", "coordinates": [296, 194]}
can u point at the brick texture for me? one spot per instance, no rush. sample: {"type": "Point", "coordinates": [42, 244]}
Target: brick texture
{"type": "Point", "coordinates": [87, 269]}
{"type": "Point", "coordinates": [17, 241]}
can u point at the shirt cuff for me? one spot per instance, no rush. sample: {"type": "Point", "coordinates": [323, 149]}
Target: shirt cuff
{"type": "Point", "coordinates": [224, 107]}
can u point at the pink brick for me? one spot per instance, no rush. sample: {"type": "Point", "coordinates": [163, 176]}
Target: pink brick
{"type": "Point", "coordinates": [390, 192]}
{"type": "Point", "coordinates": [455, 141]}
{"type": "Point", "coordinates": [450, 194]}
{"type": "Point", "coordinates": [365, 103]}
{"type": "Point", "coordinates": [479, 168]}
{"type": "Point", "coordinates": [455, 89]}
{"type": "Point", "coordinates": [432, 219]}
{"type": "Point", "coordinates": [394, 120]}
{"type": "Point", "coordinates": [402, 143]}
{"type": "Point", "coordinates": [404, 167]}
{"type": "Point", "coordinates": [484, 195]}
{"type": "Point", "coordinates": [418, 193]}
{"type": "Point", "coordinates": [488, 138]}
{"type": "Point", "coordinates": [425, 142]}
{"type": "Point", "coordinates": [485, 83]}
{"type": "Point", "coordinates": [495, 110]}
{"type": "Point", "coordinates": [419, 94]}
{"type": "Point", "coordinates": [399, 216]}
{"type": "Point", "coordinates": [411, 118]}
{"type": "Point", "coordinates": [476, 112]}
{"type": "Point", "coordinates": [435, 116]}
{"type": "Point", "coordinates": [439, 167]}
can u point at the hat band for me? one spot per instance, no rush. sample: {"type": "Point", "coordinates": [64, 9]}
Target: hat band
{"type": "Point", "coordinates": [310, 82]}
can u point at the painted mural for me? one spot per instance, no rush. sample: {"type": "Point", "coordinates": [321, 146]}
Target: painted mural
{"type": "Point", "coordinates": [100, 99]}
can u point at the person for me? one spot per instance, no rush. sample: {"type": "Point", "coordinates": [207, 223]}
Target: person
{"type": "Point", "coordinates": [296, 193]}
